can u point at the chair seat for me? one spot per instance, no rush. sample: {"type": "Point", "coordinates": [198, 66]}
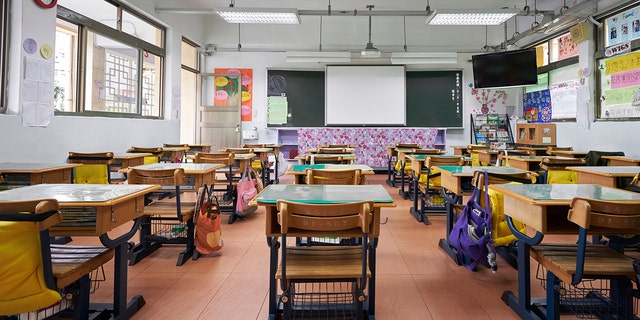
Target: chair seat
{"type": "Point", "coordinates": [600, 260]}
{"type": "Point", "coordinates": [70, 263]}
{"type": "Point", "coordinates": [320, 262]}
{"type": "Point", "coordinates": [168, 209]}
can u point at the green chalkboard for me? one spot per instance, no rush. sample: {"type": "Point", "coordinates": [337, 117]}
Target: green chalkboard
{"type": "Point", "coordinates": [434, 99]}
{"type": "Point", "coordinates": [304, 91]}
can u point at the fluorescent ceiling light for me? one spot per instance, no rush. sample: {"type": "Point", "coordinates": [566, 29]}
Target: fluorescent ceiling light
{"type": "Point", "coordinates": [259, 15]}
{"type": "Point", "coordinates": [318, 56]}
{"type": "Point", "coordinates": [467, 17]}
{"type": "Point", "coordinates": [424, 58]}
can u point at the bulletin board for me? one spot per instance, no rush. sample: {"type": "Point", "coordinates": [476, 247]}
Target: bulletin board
{"type": "Point", "coordinates": [620, 87]}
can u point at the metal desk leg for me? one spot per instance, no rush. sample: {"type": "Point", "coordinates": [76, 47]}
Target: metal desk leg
{"type": "Point", "coordinates": [371, 310]}
{"type": "Point", "coordinates": [418, 211]}
{"type": "Point", "coordinates": [390, 173]}
{"type": "Point", "coordinates": [274, 245]}
{"type": "Point", "coordinates": [444, 242]}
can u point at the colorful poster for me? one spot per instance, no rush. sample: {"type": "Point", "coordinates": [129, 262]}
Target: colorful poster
{"type": "Point", "coordinates": [227, 91]}
{"type": "Point", "coordinates": [566, 47]}
{"type": "Point", "coordinates": [537, 106]}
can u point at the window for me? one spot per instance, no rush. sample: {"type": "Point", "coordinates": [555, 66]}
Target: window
{"type": "Point", "coordinates": [123, 62]}
{"type": "Point", "coordinates": [4, 46]}
{"type": "Point", "coordinates": [189, 91]}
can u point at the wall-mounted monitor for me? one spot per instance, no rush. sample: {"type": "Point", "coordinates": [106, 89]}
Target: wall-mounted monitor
{"type": "Point", "coordinates": [505, 69]}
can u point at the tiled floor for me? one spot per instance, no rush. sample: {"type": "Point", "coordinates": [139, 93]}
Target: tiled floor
{"type": "Point", "coordinates": [415, 278]}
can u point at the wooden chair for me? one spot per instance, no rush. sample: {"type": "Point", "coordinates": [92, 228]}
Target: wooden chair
{"type": "Point", "coordinates": [571, 268]}
{"type": "Point", "coordinates": [34, 271]}
{"type": "Point", "coordinates": [325, 160]}
{"type": "Point", "coordinates": [254, 145]}
{"type": "Point", "coordinates": [176, 145]}
{"type": "Point", "coordinates": [229, 182]}
{"type": "Point", "coordinates": [95, 169]}
{"type": "Point", "coordinates": [551, 149]}
{"type": "Point", "coordinates": [333, 150]}
{"type": "Point", "coordinates": [428, 187]}
{"type": "Point", "coordinates": [305, 271]}
{"type": "Point", "coordinates": [165, 221]}
{"type": "Point", "coordinates": [154, 158]}
{"type": "Point", "coordinates": [323, 176]}
{"type": "Point", "coordinates": [555, 170]}
{"type": "Point", "coordinates": [426, 151]}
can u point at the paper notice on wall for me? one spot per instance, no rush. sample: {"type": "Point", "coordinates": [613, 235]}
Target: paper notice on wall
{"type": "Point", "coordinates": [277, 110]}
{"type": "Point", "coordinates": [37, 93]}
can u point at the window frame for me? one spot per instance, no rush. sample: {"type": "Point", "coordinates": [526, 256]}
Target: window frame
{"type": "Point", "coordinates": [86, 24]}
{"type": "Point", "coordinates": [5, 9]}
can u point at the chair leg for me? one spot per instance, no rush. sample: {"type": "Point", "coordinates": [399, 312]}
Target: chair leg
{"type": "Point", "coordinates": [191, 247]}
{"type": "Point", "coordinates": [81, 298]}
{"type": "Point", "coordinates": [553, 296]}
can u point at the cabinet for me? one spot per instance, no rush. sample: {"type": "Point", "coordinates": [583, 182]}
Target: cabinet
{"type": "Point", "coordinates": [536, 134]}
{"type": "Point", "coordinates": [288, 141]}
{"type": "Point", "coordinates": [491, 129]}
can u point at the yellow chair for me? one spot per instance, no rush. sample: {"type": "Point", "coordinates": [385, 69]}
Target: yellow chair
{"type": "Point", "coordinates": [95, 168]}
{"type": "Point", "coordinates": [428, 196]}
{"type": "Point", "coordinates": [555, 170]}
{"type": "Point", "coordinates": [30, 279]}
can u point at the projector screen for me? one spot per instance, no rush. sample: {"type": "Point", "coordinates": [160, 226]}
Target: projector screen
{"type": "Point", "coordinates": [365, 96]}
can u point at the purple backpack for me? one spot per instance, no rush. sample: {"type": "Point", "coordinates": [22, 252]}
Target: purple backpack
{"type": "Point", "coordinates": [471, 234]}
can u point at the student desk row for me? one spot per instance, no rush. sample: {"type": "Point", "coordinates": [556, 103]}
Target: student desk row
{"type": "Point", "coordinates": [94, 210]}
{"type": "Point", "coordinates": [320, 194]}
{"type": "Point", "coordinates": [22, 174]}
{"type": "Point", "coordinates": [313, 156]}
{"type": "Point", "coordinates": [544, 208]}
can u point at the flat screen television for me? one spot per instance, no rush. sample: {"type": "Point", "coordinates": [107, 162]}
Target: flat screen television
{"type": "Point", "coordinates": [505, 69]}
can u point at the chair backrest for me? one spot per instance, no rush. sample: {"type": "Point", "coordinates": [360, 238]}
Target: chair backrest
{"type": "Point", "coordinates": [551, 149]}
{"type": "Point", "coordinates": [323, 176]}
{"type": "Point", "coordinates": [27, 283]}
{"type": "Point", "coordinates": [336, 146]}
{"type": "Point", "coordinates": [95, 168]}
{"type": "Point", "coordinates": [155, 151]}
{"type": "Point", "coordinates": [432, 176]}
{"type": "Point", "coordinates": [324, 160]}
{"type": "Point", "coordinates": [407, 145]}
{"type": "Point", "coordinates": [556, 172]}
{"type": "Point", "coordinates": [307, 219]}
{"type": "Point", "coordinates": [605, 217]}
{"type": "Point", "coordinates": [163, 177]}
{"type": "Point", "coordinates": [594, 158]}
{"type": "Point", "coordinates": [238, 150]}
{"type": "Point", "coordinates": [216, 157]}
{"type": "Point", "coordinates": [332, 150]}
{"type": "Point", "coordinates": [254, 145]}
{"type": "Point", "coordinates": [426, 151]}
{"type": "Point", "coordinates": [176, 145]}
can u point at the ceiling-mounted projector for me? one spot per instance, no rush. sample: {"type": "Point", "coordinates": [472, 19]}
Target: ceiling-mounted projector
{"type": "Point", "coordinates": [370, 52]}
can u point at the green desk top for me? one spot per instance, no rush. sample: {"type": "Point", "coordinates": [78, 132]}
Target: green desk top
{"type": "Point", "coordinates": [424, 156]}
{"type": "Point", "coordinates": [303, 167]}
{"type": "Point", "coordinates": [324, 193]}
{"type": "Point", "coordinates": [469, 170]}
{"type": "Point", "coordinates": [542, 192]}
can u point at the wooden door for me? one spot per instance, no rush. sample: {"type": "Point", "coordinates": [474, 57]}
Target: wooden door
{"type": "Point", "coordinates": [219, 112]}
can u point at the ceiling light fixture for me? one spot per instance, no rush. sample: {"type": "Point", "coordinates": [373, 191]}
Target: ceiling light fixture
{"type": "Point", "coordinates": [468, 17]}
{"type": "Point", "coordinates": [370, 52]}
{"type": "Point", "coordinates": [259, 15]}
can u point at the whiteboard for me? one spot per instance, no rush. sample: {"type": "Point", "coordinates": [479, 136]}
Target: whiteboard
{"type": "Point", "coordinates": [365, 95]}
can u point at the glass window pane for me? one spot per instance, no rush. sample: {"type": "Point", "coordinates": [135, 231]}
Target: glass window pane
{"type": "Point", "coordinates": [189, 55]}
{"type": "Point", "coordinates": [151, 84]}
{"type": "Point", "coordinates": [542, 54]}
{"type": "Point", "coordinates": [112, 75]}
{"type": "Point", "coordinates": [66, 59]}
{"type": "Point", "coordinates": [141, 29]}
{"type": "Point", "coordinates": [98, 10]}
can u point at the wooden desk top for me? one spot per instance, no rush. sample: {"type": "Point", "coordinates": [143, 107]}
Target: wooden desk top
{"type": "Point", "coordinates": [299, 169]}
{"type": "Point", "coordinates": [631, 160]}
{"type": "Point", "coordinates": [570, 154]}
{"type": "Point", "coordinates": [129, 155]}
{"type": "Point", "coordinates": [8, 167]}
{"type": "Point", "coordinates": [109, 199]}
{"type": "Point", "coordinates": [544, 207]}
{"type": "Point", "coordinates": [608, 171]}
{"type": "Point", "coordinates": [189, 168]}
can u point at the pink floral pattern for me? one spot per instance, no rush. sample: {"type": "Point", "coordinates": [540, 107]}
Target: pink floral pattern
{"type": "Point", "coordinates": [370, 142]}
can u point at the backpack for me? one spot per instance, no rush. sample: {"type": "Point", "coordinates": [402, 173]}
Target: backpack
{"type": "Point", "coordinates": [208, 234]}
{"type": "Point", "coordinates": [471, 235]}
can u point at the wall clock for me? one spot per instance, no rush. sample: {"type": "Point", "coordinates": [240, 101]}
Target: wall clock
{"type": "Point", "coordinates": [46, 3]}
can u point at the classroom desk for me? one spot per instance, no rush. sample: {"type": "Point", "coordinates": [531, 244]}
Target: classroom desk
{"type": "Point", "coordinates": [623, 161]}
{"type": "Point", "coordinates": [533, 151]}
{"type": "Point", "coordinates": [459, 150]}
{"type": "Point", "coordinates": [299, 170]}
{"type": "Point", "coordinates": [173, 154]}
{"type": "Point", "coordinates": [417, 163]}
{"type": "Point", "coordinates": [345, 156]}
{"type": "Point", "coordinates": [457, 179]}
{"type": "Point", "coordinates": [529, 163]}
{"type": "Point", "coordinates": [569, 153]}
{"type": "Point", "coordinates": [487, 157]}
{"type": "Point", "coordinates": [23, 174]}
{"type": "Point", "coordinates": [610, 176]}
{"type": "Point", "coordinates": [544, 208]}
{"type": "Point", "coordinates": [127, 159]}
{"type": "Point", "coordinates": [93, 210]}
{"type": "Point", "coordinates": [197, 174]}
{"type": "Point", "coordinates": [398, 153]}
{"type": "Point", "coordinates": [347, 150]}
{"type": "Point", "coordinates": [320, 194]}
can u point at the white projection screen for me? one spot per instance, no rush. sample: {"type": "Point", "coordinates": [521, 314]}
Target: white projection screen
{"type": "Point", "coordinates": [365, 96]}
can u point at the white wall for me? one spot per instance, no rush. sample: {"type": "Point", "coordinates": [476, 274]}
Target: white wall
{"type": "Point", "coordinates": [76, 133]}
